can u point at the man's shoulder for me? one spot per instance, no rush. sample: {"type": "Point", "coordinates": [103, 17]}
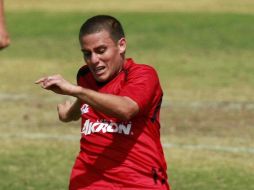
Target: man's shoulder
{"type": "Point", "coordinates": [138, 67]}
{"type": "Point", "coordinates": [82, 72]}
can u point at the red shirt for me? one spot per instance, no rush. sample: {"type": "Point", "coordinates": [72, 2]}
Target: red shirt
{"type": "Point", "coordinates": [119, 154]}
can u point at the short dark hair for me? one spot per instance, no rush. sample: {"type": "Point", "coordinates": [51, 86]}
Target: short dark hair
{"type": "Point", "coordinates": [102, 22]}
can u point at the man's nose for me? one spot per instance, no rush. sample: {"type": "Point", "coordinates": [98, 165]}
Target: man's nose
{"type": "Point", "coordinates": [94, 58]}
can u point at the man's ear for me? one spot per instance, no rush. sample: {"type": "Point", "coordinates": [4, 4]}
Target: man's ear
{"type": "Point", "coordinates": [122, 45]}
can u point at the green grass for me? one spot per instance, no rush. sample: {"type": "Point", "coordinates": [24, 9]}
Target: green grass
{"type": "Point", "coordinates": [235, 6]}
{"type": "Point", "coordinates": [204, 61]}
{"type": "Point", "coordinates": [38, 164]}
{"type": "Point", "coordinates": [208, 54]}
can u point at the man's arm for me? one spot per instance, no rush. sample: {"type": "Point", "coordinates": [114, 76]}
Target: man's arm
{"type": "Point", "coordinates": [4, 36]}
{"type": "Point", "coordinates": [120, 107]}
{"type": "Point", "coordinates": [69, 111]}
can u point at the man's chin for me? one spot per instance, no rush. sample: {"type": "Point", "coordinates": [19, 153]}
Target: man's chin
{"type": "Point", "coordinates": [101, 78]}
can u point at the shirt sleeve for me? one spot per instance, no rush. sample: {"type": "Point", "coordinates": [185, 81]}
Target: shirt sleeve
{"type": "Point", "coordinates": [141, 86]}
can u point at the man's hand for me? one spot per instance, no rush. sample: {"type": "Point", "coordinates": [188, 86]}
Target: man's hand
{"type": "Point", "coordinates": [66, 111]}
{"type": "Point", "coordinates": [57, 84]}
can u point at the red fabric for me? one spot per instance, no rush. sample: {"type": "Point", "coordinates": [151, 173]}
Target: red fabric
{"type": "Point", "coordinates": [116, 154]}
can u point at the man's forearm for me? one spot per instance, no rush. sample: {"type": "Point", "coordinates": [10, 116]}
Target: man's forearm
{"type": "Point", "coordinates": [74, 112]}
{"type": "Point", "coordinates": [120, 107]}
{"type": "Point", "coordinates": [69, 112]}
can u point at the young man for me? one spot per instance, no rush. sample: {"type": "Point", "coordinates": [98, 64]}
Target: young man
{"type": "Point", "coordinates": [120, 104]}
{"type": "Point", "coordinates": [4, 36]}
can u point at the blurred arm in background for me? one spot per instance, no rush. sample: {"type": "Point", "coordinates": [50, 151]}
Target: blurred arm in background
{"type": "Point", "coordinates": [4, 36]}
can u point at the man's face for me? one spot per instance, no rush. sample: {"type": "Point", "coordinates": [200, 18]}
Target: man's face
{"type": "Point", "coordinates": [103, 56]}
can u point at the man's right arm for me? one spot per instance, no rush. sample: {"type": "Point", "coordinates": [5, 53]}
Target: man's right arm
{"type": "Point", "coordinates": [69, 111]}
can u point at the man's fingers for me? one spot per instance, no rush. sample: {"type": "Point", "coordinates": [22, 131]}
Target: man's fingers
{"type": "Point", "coordinates": [40, 80]}
{"type": "Point", "coordinates": [55, 83]}
{"type": "Point", "coordinates": [50, 82]}
{"type": "Point", "coordinates": [59, 106]}
{"type": "Point", "coordinates": [67, 102]}
{"type": "Point", "coordinates": [48, 78]}
{"type": "Point", "coordinates": [44, 80]}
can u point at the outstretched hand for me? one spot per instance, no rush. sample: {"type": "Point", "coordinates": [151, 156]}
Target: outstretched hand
{"type": "Point", "coordinates": [57, 84]}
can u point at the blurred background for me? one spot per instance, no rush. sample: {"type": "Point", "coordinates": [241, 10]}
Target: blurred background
{"type": "Point", "coordinates": [203, 52]}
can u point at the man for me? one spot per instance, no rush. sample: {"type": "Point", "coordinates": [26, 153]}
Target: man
{"type": "Point", "coordinates": [4, 36]}
{"type": "Point", "coordinates": [120, 103]}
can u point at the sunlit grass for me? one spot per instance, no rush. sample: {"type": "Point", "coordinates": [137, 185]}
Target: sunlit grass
{"type": "Point", "coordinates": [204, 61]}
{"type": "Point", "coordinates": [236, 6]}
{"type": "Point", "coordinates": [199, 57]}
{"type": "Point", "coordinates": [46, 164]}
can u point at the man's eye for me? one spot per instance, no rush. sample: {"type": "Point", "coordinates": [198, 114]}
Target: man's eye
{"type": "Point", "coordinates": [101, 50]}
{"type": "Point", "coordinates": [86, 54]}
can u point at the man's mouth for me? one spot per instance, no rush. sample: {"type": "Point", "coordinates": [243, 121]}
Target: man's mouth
{"type": "Point", "coordinates": [99, 70]}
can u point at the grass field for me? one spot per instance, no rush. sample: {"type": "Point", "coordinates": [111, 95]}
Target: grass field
{"type": "Point", "coordinates": [203, 52]}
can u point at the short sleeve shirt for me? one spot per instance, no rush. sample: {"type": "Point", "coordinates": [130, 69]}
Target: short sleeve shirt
{"type": "Point", "coordinates": [120, 154]}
